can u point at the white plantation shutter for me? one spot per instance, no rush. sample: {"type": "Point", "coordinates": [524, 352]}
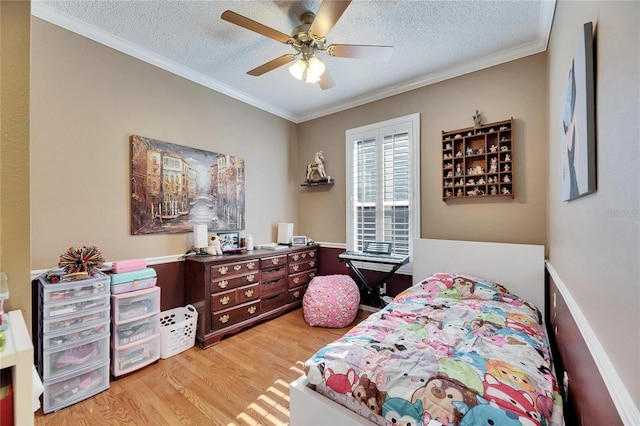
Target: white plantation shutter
{"type": "Point", "coordinates": [383, 184]}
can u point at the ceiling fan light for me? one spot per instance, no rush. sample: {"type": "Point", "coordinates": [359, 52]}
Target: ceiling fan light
{"type": "Point", "coordinates": [298, 68]}
{"type": "Point", "coordinates": [316, 68]}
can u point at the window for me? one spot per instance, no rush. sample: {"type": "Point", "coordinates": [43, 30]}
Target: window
{"type": "Point", "coordinates": [383, 184]}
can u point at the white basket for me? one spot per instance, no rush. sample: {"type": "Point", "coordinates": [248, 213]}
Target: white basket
{"type": "Point", "coordinates": [177, 330]}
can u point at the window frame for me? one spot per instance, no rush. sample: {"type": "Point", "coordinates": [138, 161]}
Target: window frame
{"type": "Point", "coordinates": [410, 124]}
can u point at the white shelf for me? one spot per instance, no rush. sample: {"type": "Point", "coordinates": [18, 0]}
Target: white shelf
{"type": "Point", "coordinates": [18, 355]}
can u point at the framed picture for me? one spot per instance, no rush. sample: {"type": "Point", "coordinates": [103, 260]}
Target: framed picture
{"type": "Point", "coordinates": [579, 122]}
{"type": "Point", "coordinates": [175, 187]}
{"type": "Point", "coordinates": [229, 242]}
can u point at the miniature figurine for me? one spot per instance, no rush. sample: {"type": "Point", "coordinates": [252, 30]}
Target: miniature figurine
{"type": "Point", "coordinates": [448, 165]}
{"type": "Point", "coordinates": [493, 148]}
{"type": "Point", "coordinates": [469, 151]}
{"type": "Point", "coordinates": [458, 170]}
{"type": "Point", "coordinates": [491, 130]}
{"type": "Point", "coordinates": [459, 154]}
{"type": "Point", "coordinates": [504, 148]}
{"type": "Point", "coordinates": [504, 128]}
{"type": "Point", "coordinates": [458, 136]}
{"type": "Point", "coordinates": [480, 150]}
{"type": "Point", "coordinates": [447, 193]}
{"type": "Point", "coordinates": [506, 178]}
{"type": "Point", "coordinates": [476, 119]}
{"type": "Point", "coordinates": [479, 170]}
{"type": "Point", "coordinates": [506, 168]}
{"type": "Point", "coordinates": [494, 190]}
{"type": "Point", "coordinates": [493, 167]}
{"type": "Point", "coordinates": [459, 193]}
{"type": "Point", "coordinates": [505, 191]}
{"type": "Point", "coordinates": [503, 139]}
{"type": "Point", "coordinates": [507, 157]}
{"type": "Point", "coordinates": [481, 181]}
{"type": "Point", "coordinates": [470, 134]}
{"type": "Point", "coordinates": [490, 180]}
{"type": "Point", "coordinates": [461, 182]}
{"type": "Point", "coordinates": [449, 174]}
{"type": "Point", "coordinates": [448, 146]}
{"type": "Point", "coordinates": [471, 182]}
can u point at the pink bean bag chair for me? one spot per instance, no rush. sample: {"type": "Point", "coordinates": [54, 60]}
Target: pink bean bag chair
{"type": "Point", "coordinates": [331, 301]}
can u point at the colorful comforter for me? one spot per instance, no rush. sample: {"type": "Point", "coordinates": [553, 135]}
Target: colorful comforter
{"type": "Point", "coordinates": [453, 349]}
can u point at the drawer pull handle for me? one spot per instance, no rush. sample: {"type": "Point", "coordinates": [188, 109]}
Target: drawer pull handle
{"type": "Point", "coordinates": [311, 275]}
{"type": "Point", "coordinates": [237, 267]}
{"type": "Point", "coordinates": [312, 263]}
{"type": "Point", "coordinates": [303, 255]}
{"type": "Point", "coordinates": [251, 278]}
{"type": "Point", "coordinates": [296, 280]}
{"type": "Point", "coordinates": [224, 300]}
{"type": "Point", "coordinates": [295, 257]}
{"type": "Point", "coordinates": [223, 270]}
{"type": "Point", "coordinates": [224, 318]}
{"type": "Point", "coordinates": [248, 293]}
{"type": "Point", "coordinates": [312, 254]}
{"type": "Point", "coordinates": [251, 265]}
{"type": "Point", "coordinates": [252, 310]}
{"type": "Point", "coordinates": [296, 294]}
{"type": "Point", "coordinates": [275, 261]}
{"type": "Point", "coordinates": [223, 284]}
{"type": "Point", "coordinates": [296, 267]}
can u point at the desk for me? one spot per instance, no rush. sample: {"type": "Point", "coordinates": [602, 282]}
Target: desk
{"type": "Point", "coordinates": [368, 289]}
{"type": "Point", "coordinates": [18, 355]}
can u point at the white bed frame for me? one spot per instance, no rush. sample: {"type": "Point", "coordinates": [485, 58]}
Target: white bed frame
{"type": "Point", "coordinates": [519, 267]}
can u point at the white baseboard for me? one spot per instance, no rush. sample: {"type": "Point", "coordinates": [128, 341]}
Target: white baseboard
{"type": "Point", "coordinates": [623, 401]}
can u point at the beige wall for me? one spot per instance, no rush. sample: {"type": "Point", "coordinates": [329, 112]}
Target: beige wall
{"type": "Point", "coordinates": [516, 89]}
{"type": "Point", "coordinates": [594, 241]}
{"type": "Point", "coordinates": [87, 100]}
{"type": "Point", "coordinates": [14, 152]}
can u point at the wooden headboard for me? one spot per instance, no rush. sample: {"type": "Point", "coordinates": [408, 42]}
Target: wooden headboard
{"type": "Point", "coordinates": [519, 267]}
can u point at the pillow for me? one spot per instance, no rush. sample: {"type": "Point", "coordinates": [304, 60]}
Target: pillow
{"type": "Point", "coordinates": [331, 301]}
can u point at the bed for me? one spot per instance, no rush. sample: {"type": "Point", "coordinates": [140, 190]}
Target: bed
{"type": "Point", "coordinates": [457, 347]}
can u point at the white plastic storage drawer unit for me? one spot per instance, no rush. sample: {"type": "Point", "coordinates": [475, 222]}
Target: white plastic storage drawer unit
{"type": "Point", "coordinates": [135, 330]}
{"type": "Point", "coordinates": [75, 387]}
{"type": "Point", "coordinates": [73, 334]}
{"type": "Point", "coordinates": [135, 304]}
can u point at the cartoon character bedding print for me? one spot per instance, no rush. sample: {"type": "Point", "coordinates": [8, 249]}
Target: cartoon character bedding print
{"type": "Point", "coordinates": [453, 349]}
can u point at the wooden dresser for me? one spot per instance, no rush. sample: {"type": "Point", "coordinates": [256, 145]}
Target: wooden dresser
{"type": "Point", "coordinates": [235, 291]}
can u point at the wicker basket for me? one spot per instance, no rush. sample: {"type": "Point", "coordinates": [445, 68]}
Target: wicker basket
{"type": "Point", "coordinates": [177, 330]}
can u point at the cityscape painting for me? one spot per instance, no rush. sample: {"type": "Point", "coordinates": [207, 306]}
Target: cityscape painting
{"type": "Point", "coordinates": [174, 187]}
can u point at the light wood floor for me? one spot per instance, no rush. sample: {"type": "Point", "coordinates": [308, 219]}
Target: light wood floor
{"type": "Point", "coordinates": [243, 380]}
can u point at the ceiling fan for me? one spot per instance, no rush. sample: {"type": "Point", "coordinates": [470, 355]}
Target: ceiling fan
{"type": "Point", "coordinates": [309, 39]}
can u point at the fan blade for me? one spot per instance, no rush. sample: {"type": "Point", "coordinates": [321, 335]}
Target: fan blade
{"type": "Point", "coordinates": [257, 27]}
{"type": "Point", "coordinates": [358, 51]}
{"type": "Point", "coordinates": [328, 14]}
{"type": "Point", "coordinates": [273, 64]}
{"type": "Point", "coordinates": [326, 82]}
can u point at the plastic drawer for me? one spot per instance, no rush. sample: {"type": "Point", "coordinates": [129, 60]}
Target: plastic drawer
{"type": "Point", "coordinates": [75, 387]}
{"type": "Point", "coordinates": [133, 357]}
{"type": "Point", "coordinates": [134, 331]}
{"type": "Point", "coordinates": [75, 306]}
{"type": "Point", "coordinates": [133, 285]}
{"type": "Point", "coordinates": [75, 335]}
{"type": "Point", "coordinates": [64, 360]}
{"type": "Point", "coordinates": [127, 306]}
{"type": "Point", "coordinates": [52, 325]}
{"type": "Point", "coordinates": [98, 284]}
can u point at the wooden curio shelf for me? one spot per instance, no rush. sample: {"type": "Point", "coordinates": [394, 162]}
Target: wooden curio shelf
{"type": "Point", "coordinates": [477, 162]}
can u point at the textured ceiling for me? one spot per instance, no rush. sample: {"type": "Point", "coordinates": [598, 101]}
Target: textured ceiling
{"type": "Point", "coordinates": [433, 41]}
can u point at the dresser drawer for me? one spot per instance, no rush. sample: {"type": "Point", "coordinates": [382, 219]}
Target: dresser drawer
{"type": "Point", "coordinates": [274, 261]}
{"type": "Point", "coordinates": [302, 278]}
{"type": "Point", "coordinates": [296, 294]}
{"type": "Point", "coordinates": [236, 268]}
{"type": "Point", "coordinates": [224, 284]}
{"type": "Point", "coordinates": [303, 255]}
{"type": "Point", "coordinates": [227, 299]}
{"type": "Point", "coordinates": [232, 316]}
{"type": "Point", "coordinates": [273, 286]}
{"type": "Point", "coordinates": [273, 301]}
{"type": "Point", "coordinates": [303, 265]}
{"type": "Point", "coordinates": [273, 273]}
